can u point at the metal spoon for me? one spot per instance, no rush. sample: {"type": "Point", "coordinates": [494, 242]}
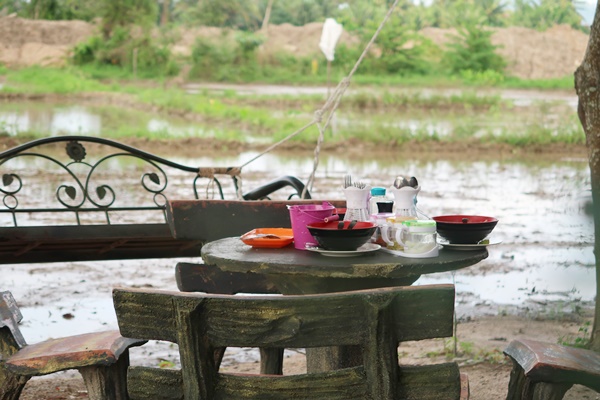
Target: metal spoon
{"type": "Point", "coordinates": [400, 182]}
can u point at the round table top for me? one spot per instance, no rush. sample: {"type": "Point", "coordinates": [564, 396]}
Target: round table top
{"type": "Point", "coordinates": [231, 254]}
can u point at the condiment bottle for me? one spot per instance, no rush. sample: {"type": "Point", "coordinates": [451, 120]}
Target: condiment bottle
{"type": "Point", "coordinates": [379, 203]}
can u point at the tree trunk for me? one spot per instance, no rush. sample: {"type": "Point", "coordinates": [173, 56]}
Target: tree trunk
{"type": "Point", "coordinates": [164, 16]}
{"type": "Point", "coordinates": [587, 85]}
{"type": "Point", "coordinates": [265, 23]}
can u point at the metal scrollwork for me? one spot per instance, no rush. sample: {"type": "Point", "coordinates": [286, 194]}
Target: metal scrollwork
{"type": "Point", "coordinates": [152, 178]}
{"type": "Point", "coordinates": [10, 202]}
{"type": "Point", "coordinates": [84, 188]}
{"type": "Point", "coordinates": [75, 151]}
{"type": "Point", "coordinates": [8, 180]}
{"type": "Point", "coordinates": [71, 193]}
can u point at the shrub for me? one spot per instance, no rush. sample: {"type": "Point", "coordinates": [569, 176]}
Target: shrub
{"type": "Point", "coordinates": [125, 50]}
{"type": "Point", "coordinates": [472, 50]}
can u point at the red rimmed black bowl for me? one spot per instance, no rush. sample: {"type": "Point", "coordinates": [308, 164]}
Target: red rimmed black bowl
{"type": "Point", "coordinates": [464, 229]}
{"type": "Point", "coordinates": [342, 235]}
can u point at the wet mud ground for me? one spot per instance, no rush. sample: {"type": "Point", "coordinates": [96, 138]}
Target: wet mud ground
{"type": "Point", "coordinates": [538, 279]}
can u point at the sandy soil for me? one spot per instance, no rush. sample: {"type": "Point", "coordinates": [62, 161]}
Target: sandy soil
{"type": "Point", "coordinates": [554, 53]}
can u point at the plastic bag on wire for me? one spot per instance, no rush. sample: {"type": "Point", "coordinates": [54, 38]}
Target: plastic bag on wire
{"type": "Point", "coordinates": [329, 38]}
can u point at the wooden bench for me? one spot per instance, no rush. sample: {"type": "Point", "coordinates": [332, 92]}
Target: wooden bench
{"type": "Point", "coordinates": [77, 211]}
{"type": "Point", "coordinates": [375, 321]}
{"type": "Point", "coordinates": [205, 278]}
{"type": "Point", "coordinates": [102, 358]}
{"type": "Point", "coordinates": [546, 371]}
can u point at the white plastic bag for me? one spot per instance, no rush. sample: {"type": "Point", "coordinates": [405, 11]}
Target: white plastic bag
{"type": "Point", "coordinates": [331, 34]}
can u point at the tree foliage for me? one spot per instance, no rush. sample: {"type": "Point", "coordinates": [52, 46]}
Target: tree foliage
{"type": "Point", "coordinates": [472, 50]}
{"type": "Point", "coordinates": [125, 13]}
{"type": "Point", "coordinates": [400, 48]}
{"type": "Point", "coordinates": [543, 14]}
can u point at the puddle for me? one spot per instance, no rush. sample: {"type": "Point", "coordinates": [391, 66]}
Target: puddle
{"type": "Point", "coordinates": [71, 119]}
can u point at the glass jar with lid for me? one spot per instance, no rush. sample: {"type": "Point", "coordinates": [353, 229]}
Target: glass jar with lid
{"type": "Point", "coordinates": [417, 236]}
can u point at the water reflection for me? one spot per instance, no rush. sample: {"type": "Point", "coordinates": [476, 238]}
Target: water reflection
{"type": "Point", "coordinates": [554, 115]}
{"type": "Point", "coordinates": [69, 119]}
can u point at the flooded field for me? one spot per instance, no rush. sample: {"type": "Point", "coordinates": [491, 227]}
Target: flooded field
{"type": "Point", "coordinates": [543, 265]}
{"type": "Point", "coordinates": [547, 236]}
{"type": "Point", "coordinates": [481, 114]}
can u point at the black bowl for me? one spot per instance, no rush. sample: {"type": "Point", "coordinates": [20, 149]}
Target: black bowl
{"type": "Point", "coordinates": [329, 236]}
{"type": "Point", "coordinates": [464, 229]}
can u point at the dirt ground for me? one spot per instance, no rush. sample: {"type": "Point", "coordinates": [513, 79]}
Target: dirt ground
{"type": "Point", "coordinates": [554, 53]}
{"type": "Point", "coordinates": [487, 368]}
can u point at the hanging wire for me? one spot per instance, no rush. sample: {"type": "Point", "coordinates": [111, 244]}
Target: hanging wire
{"type": "Point", "coordinates": [328, 109]}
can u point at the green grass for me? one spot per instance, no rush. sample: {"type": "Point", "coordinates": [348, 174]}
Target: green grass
{"type": "Point", "coordinates": [373, 113]}
{"type": "Point", "coordinates": [565, 83]}
{"type": "Point", "coordinates": [581, 339]}
{"type": "Point", "coordinates": [50, 80]}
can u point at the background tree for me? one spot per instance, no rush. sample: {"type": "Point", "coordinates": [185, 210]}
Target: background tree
{"type": "Point", "coordinates": [544, 14]}
{"type": "Point", "coordinates": [472, 50]}
{"type": "Point", "coordinates": [51, 9]}
{"type": "Point", "coordinates": [452, 13]}
{"type": "Point", "coordinates": [124, 13]}
{"type": "Point", "coordinates": [238, 14]}
{"type": "Point", "coordinates": [587, 79]}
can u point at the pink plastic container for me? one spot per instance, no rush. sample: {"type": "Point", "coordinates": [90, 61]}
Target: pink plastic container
{"type": "Point", "coordinates": [304, 214]}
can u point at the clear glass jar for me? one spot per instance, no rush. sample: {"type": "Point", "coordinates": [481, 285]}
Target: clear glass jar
{"type": "Point", "coordinates": [417, 236]}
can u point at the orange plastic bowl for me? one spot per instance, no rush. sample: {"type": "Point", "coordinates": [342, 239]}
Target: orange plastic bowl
{"type": "Point", "coordinates": [464, 229]}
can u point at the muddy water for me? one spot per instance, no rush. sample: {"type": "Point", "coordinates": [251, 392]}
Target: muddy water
{"type": "Point", "coordinates": [546, 250]}
{"type": "Point", "coordinates": [543, 265]}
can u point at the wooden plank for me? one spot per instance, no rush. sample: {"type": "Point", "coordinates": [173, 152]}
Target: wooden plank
{"type": "Point", "coordinates": [344, 384]}
{"type": "Point", "coordinates": [210, 279]}
{"type": "Point", "coordinates": [144, 383]}
{"type": "Point", "coordinates": [374, 321]}
{"type": "Point", "coordinates": [553, 363]}
{"type": "Point", "coordinates": [92, 242]}
{"type": "Point", "coordinates": [148, 315]}
{"type": "Point", "coordinates": [419, 313]}
{"type": "Point", "coordinates": [209, 220]}
{"type": "Point", "coordinates": [429, 382]}
{"type": "Point", "coordinates": [10, 316]}
{"type": "Point", "coordinates": [72, 352]}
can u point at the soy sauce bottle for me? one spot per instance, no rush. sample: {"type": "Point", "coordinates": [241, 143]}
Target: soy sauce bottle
{"type": "Point", "coordinates": [379, 203]}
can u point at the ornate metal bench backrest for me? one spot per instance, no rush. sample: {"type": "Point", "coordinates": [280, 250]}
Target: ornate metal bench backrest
{"type": "Point", "coordinates": [82, 184]}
